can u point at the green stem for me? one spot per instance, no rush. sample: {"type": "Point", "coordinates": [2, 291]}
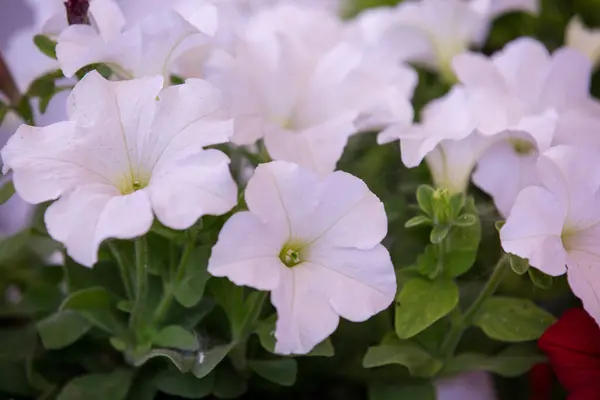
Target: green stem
{"type": "Point", "coordinates": [123, 269]}
{"type": "Point", "coordinates": [141, 288]}
{"type": "Point", "coordinates": [168, 295]}
{"type": "Point", "coordinates": [461, 324]}
{"type": "Point", "coordinates": [238, 353]}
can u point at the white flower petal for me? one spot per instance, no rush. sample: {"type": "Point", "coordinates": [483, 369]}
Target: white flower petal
{"type": "Point", "coordinates": [360, 283]}
{"type": "Point", "coordinates": [583, 280]}
{"type": "Point", "coordinates": [304, 316]}
{"type": "Point", "coordinates": [247, 252]}
{"type": "Point", "coordinates": [584, 39]}
{"type": "Point", "coordinates": [107, 18]}
{"type": "Point", "coordinates": [283, 194]}
{"type": "Point", "coordinates": [534, 228]}
{"type": "Point", "coordinates": [347, 215]}
{"type": "Point", "coordinates": [183, 190]}
{"type": "Point", "coordinates": [85, 217]}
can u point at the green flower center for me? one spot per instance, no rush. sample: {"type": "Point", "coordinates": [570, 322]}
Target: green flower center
{"type": "Point", "coordinates": [290, 255]}
{"type": "Point", "coordinates": [522, 146]}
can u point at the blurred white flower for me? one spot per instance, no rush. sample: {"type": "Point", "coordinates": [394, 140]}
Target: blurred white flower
{"type": "Point", "coordinates": [122, 156]}
{"type": "Point", "coordinates": [315, 244]}
{"type": "Point", "coordinates": [556, 225]}
{"type": "Point", "coordinates": [586, 40]}
{"type": "Point", "coordinates": [298, 82]}
{"type": "Point", "coordinates": [521, 92]}
{"type": "Point", "coordinates": [49, 16]}
{"type": "Point", "coordinates": [432, 32]}
{"type": "Point", "coordinates": [147, 47]}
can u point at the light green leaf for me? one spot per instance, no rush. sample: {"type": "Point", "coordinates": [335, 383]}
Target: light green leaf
{"type": "Point", "coordinates": [439, 233]}
{"type": "Point", "coordinates": [425, 198]}
{"type": "Point", "coordinates": [402, 391]}
{"type": "Point", "coordinates": [417, 221]}
{"type": "Point", "coordinates": [184, 385]}
{"type": "Point", "coordinates": [95, 304]}
{"type": "Point", "coordinates": [174, 336]}
{"type": "Point", "coordinates": [208, 360]}
{"type": "Point", "coordinates": [465, 220]}
{"type": "Point", "coordinates": [62, 329]}
{"type": "Point", "coordinates": [540, 279]}
{"type": "Point", "coordinates": [6, 192]}
{"type": "Point", "coordinates": [462, 244]}
{"type": "Point", "coordinates": [190, 290]}
{"type": "Point", "coordinates": [512, 320]}
{"type": "Point", "coordinates": [282, 372]}
{"type": "Point", "coordinates": [518, 265]}
{"type": "Point", "coordinates": [266, 330]}
{"type": "Point", "coordinates": [113, 386]}
{"type": "Point", "coordinates": [421, 303]}
{"type": "Point", "coordinates": [511, 362]}
{"type": "Point", "coordinates": [45, 45]}
{"type": "Point", "coordinates": [403, 352]}
{"type": "Point", "coordinates": [184, 360]}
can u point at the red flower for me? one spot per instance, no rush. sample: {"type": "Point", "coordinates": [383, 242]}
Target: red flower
{"type": "Point", "coordinates": [573, 348]}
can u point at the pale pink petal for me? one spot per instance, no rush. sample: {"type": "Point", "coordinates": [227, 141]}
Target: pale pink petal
{"type": "Point", "coordinates": [534, 228]}
{"type": "Point", "coordinates": [584, 281]}
{"type": "Point", "coordinates": [304, 316]}
{"type": "Point", "coordinates": [247, 253]}
{"type": "Point", "coordinates": [360, 283]}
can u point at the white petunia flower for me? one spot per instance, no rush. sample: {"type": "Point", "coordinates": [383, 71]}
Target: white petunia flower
{"type": "Point", "coordinates": [584, 39]}
{"type": "Point", "coordinates": [296, 81]}
{"type": "Point", "coordinates": [145, 47]}
{"type": "Point", "coordinates": [315, 244]}
{"type": "Point", "coordinates": [123, 156]}
{"type": "Point", "coordinates": [526, 94]}
{"type": "Point", "coordinates": [556, 225]}
{"type": "Point", "coordinates": [432, 32]}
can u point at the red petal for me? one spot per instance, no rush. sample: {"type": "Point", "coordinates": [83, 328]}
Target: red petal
{"type": "Point", "coordinates": [587, 393]}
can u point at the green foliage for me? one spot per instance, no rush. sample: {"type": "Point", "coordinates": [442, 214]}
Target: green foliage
{"type": "Point", "coordinates": [190, 289]}
{"type": "Point", "coordinates": [184, 385]}
{"type": "Point", "coordinates": [62, 329]}
{"type": "Point", "coordinates": [282, 372]}
{"type": "Point", "coordinates": [512, 320]}
{"type": "Point", "coordinates": [421, 302]}
{"type": "Point", "coordinates": [45, 45]}
{"type": "Point", "coordinates": [112, 386]}
{"type": "Point", "coordinates": [413, 391]}
{"type": "Point", "coordinates": [6, 191]}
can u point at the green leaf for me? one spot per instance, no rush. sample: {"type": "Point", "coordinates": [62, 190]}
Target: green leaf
{"type": "Point", "coordinates": [282, 372]}
{"type": "Point", "coordinates": [184, 360]}
{"type": "Point", "coordinates": [425, 198]}
{"type": "Point", "coordinates": [174, 336]}
{"type": "Point", "coordinates": [465, 220]}
{"type": "Point", "coordinates": [113, 386]}
{"type": "Point", "coordinates": [402, 391]}
{"type": "Point", "coordinates": [421, 303]}
{"type": "Point", "coordinates": [518, 265]}
{"type": "Point", "coordinates": [461, 245]}
{"type": "Point", "coordinates": [457, 203]}
{"type": "Point", "coordinates": [11, 246]}
{"type": "Point", "coordinates": [45, 45]}
{"type": "Point", "coordinates": [184, 385]}
{"type": "Point", "coordinates": [6, 191]}
{"type": "Point", "coordinates": [540, 279]}
{"type": "Point", "coordinates": [499, 224]}
{"type": "Point", "coordinates": [265, 331]}
{"type": "Point", "coordinates": [418, 220]}
{"type": "Point", "coordinates": [62, 329]}
{"type": "Point", "coordinates": [403, 352]}
{"type": "Point", "coordinates": [208, 360]}
{"type": "Point", "coordinates": [190, 290]}
{"type": "Point", "coordinates": [229, 384]}
{"type": "Point", "coordinates": [512, 320]}
{"type": "Point", "coordinates": [16, 344]}
{"type": "Point", "coordinates": [513, 361]}
{"type": "Point", "coordinates": [102, 69]}
{"type": "Point", "coordinates": [23, 108]}
{"type": "Point", "coordinates": [439, 233]}
{"type": "Point", "coordinates": [95, 304]}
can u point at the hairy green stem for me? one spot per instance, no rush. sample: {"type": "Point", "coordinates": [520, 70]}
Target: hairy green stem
{"type": "Point", "coordinates": [461, 324]}
{"type": "Point", "coordinates": [123, 269]}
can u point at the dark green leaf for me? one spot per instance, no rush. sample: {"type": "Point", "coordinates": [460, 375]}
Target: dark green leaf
{"type": "Point", "coordinates": [102, 69]}
{"type": "Point", "coordinates": [499, 225]}
{"type": "Point", "coordinates": [62, 329]}
{"type": "Point", "coordinates": [184, 360]}
{"type": "Point", "coordinates": [421, 303]}
{"type": "Point", "coordinates": [45, 45]}
{"type": "Point", "coordinates": [176, 337]}
{"type": "Point", "coordinates": [265, 332]}
{"type": "Point", "coordinates": [17, 343]}
{"type": "Point", "coordinates": [540, 279]}
{"type": "Point", "coordinates": [461, 245]}
{"type": "Point", "coordinates": [402, 391]}
{"type": "Point", "coordinates": [113, 386]}
{"type": "Point", "coordinates": [184, 385]}
{"type": "Point", "coordinates": [424, 198]}
{"type": "Point", "coordinates": [403, 352]}
{"type": "Point", "coordinates": [518, 265]}
{"type": "Point", "coordinates": [417, 221]}
{"type": "Point", "coordinates": [282, 372]}
{"type": "Point", "coordinates": [208, 360]}
{"type": "Point", "coordinates": [190, 290]}
{"type": "Point", "coordinates": [12, 245]}
{"type": "Point", "coordinates": [23, 108]}
{"type": "Point", "coordinates": [513, 361]}
{"type": "Point", "coordinates": [6, 191]}
{"type": "Point", "coordinates": [177, 80]}
{"type": "Point", "coordinates": [512, 320]}
{"type": "Point", "coordinates": [229, 384]}
{"type": "Point", "coordinates": [96, 305]}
